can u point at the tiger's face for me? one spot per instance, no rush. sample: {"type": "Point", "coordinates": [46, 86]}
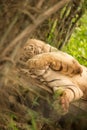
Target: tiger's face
{"type": "Point", "coordinates": [34, 47]}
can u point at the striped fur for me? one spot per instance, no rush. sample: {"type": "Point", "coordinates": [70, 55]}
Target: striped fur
{"type": "Point", "coordinates": [55, 69]}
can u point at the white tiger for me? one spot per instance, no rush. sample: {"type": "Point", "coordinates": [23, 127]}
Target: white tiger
{"type": "Point", "coordinates": [56, 69]}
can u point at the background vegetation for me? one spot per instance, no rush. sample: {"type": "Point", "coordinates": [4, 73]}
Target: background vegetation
{"type": "Point", "coordinates": [77, 45]}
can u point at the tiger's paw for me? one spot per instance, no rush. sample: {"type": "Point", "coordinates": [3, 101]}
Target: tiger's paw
{"type": "Point", "coordinates": [64, 102]}
{"type": "Point", "coordinates": [63, 98]}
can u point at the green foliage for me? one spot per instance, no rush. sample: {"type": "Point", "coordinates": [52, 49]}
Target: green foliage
{"type": "Point", "coordinates": [12, 124]}
{"type": "Point", "coordinates": [85, 5]}
{"type": "Point", "coordinates": [77, 45]}
{"type": "Point", "coordinates": [51, 34]}
{"type": "Point", "coordinates": [33, 116]}
{"type": "Point", "coordinates": [35, 101]}
{"type": "Point", "coordinates": [58, 93]}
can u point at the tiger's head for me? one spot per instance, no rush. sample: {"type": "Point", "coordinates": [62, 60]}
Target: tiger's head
{"type": "Point", "coordinates": [34, 47]}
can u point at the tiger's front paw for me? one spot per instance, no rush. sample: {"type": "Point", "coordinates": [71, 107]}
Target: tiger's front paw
{"type": "Point", "coordinates": [64, 102]}
{"type": "Point", "coordinates": [63, 98]}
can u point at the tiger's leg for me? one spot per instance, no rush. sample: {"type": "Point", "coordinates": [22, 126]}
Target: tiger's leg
{"type": "Point", "coordinates": [68, 95]}
{"type": "Point", "coordinates": [42, 60]}
{"type": "Point", "coordinates": [56, 62]}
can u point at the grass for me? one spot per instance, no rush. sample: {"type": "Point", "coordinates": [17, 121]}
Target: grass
{"type": "Point", "coordinates": [77, 46]}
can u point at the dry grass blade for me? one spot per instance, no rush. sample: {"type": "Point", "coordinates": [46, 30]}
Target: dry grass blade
{"type": "Point", "coordinates": [40, 3]}
{"type": "Point", "coordinates": [8, 30]}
